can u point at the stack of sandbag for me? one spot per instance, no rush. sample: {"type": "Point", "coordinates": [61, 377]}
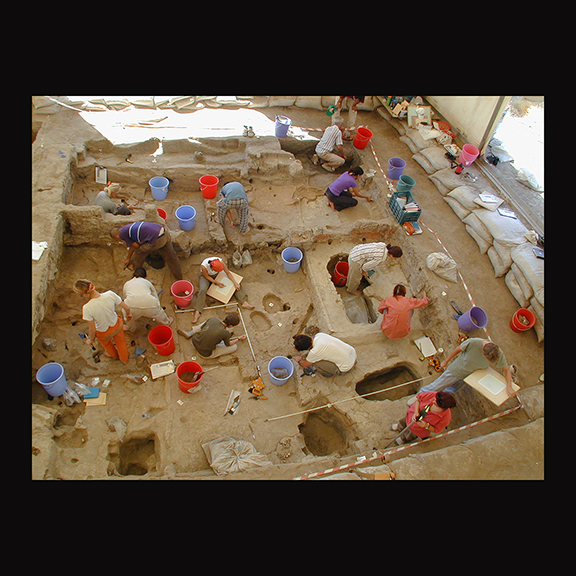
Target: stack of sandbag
{"type": "Point", "coordinates": [525, 280]}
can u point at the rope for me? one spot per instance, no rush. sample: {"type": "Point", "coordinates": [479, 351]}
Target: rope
{"type": "Point", "coordinates": [436, 236]}
{"type": "Point", "coordinates": [330, 404]}
{"type": "Point", "coordinates": [381, 455]}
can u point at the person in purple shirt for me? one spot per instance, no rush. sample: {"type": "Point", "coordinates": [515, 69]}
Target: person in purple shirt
{"type": "Point", "coordinates": [144, 238]}
{"type": "Point", "coordinates": [341, 192]}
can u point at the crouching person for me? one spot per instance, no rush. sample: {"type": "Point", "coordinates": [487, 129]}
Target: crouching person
{"type": "Point", "coordinates": [212, 338]}
{"type": "Point", "coordinates": [328, 355]}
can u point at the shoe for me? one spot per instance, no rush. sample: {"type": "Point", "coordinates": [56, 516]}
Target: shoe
{"type": "Point", "coordinates": [328, 168]}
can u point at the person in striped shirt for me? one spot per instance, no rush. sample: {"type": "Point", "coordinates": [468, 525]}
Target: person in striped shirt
{"type": "Point", "coordinates": [325, 148]}
{"type": "Point", "coordinates": [365, 257]}
{"type": "Point", "coordinates": [144, 238]}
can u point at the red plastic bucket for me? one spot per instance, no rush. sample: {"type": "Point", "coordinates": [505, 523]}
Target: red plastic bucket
{"type": "Point", "coordinates": [162, 338]}
{"type": "Point", "coordinates": [518, 326]}
{"type": "Point", "coordinates": [209, 186]}
{"type": "Point", "coordinates": [340, 273]}
{"type": "Point", "coordinates": [182, 286]}
{"type": "Point", "coordinates": [185, 372]}
{"type": "Point", "coordinates": [162, 213]}
{"type": "Point", "coordinates": [363, 136]}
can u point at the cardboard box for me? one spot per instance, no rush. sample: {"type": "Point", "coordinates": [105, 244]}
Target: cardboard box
{"type": "Point", "coordinates": [223, 294]}
{"type": "Point", "coordinates": [490, 384]}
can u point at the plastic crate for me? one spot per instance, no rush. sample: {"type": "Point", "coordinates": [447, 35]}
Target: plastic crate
{"type": "Point", "coordinates": [401, 215]}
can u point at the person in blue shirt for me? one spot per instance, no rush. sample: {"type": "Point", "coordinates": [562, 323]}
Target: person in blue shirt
{"type": "Point", "coordinates": [144, 238]}
{"type": "Point", "coordinates": [341, 192]}
{"type": "Point", "coordinates": [233, 196]}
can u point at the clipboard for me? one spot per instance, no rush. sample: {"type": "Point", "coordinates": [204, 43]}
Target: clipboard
{"type": "Point", "coordinates": [426, 346]}
{"type": "Point", "coordinates": [491, 384]}
{"type": "Point", "coordinates": [223, 294]}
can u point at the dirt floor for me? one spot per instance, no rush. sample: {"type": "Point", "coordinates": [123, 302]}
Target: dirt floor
{"type": "Point", "coordinates": [166, 427]}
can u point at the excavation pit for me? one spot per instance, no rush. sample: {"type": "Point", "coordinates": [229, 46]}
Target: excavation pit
{"type": "Point", "coordinates": [287, 208]}
{"type": "Point", "coordinates": [326, 431]}
{"type": "Point", "coordinates": [137, 457]}
{"type": "Point", "coordinates": [359, 307]}
{"type": "Point", "coordinates": [378, 385]}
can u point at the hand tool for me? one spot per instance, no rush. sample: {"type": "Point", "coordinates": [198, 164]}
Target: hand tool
{"type": "Point", "coordinates": [257, 384]}
{"type": "Point", "coordinates": [422, 414]}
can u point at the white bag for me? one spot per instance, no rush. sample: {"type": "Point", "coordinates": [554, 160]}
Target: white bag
{"type": "Point", "coordinates": [442, 265]}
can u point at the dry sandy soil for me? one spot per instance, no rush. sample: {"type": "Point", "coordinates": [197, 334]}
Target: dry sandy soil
{"type": "Point", "coordinates": [287, 208]}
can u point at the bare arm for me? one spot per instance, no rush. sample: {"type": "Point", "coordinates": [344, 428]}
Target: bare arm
{"type": "Point", "coordinates": [452, 354]}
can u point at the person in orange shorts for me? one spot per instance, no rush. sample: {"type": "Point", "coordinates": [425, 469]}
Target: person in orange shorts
{"type": "Point", "coordinates": [104, 323]}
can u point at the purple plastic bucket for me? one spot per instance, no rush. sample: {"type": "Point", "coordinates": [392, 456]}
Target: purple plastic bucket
{"type": "Point", "coordinates": [395, 168]}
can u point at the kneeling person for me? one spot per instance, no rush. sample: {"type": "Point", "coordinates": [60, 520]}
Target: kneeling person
{"type": "Point", "coordinates": [329, 356]}
{"type": "Point", "coordinates": [212, 338]}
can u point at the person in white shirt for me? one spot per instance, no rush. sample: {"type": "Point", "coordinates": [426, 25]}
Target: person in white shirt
{"type": "Point", "coordinates": [141, 296]}
{"type": "Point", "coordinates": [104, 324]}
{"type": "Point", "coordinates": [325, 148]}
{"type": "Point", "coordinates": [209, 269]}
{"type": "Point", "coordinates": [365, 257]}
{"type": "Point", "coordinates": [327, 354]}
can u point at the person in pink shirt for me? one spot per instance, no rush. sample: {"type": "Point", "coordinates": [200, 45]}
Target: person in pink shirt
{"type": "Point", "coordinates": [437, 417]}
{"type": "Point", "coordinates": [398, 310]}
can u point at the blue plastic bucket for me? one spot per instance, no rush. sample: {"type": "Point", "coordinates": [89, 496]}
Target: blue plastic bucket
{"type": "Point", "coordinates": [186, 217]}
{"type": "Point", "coordinates": [282, 125]}
{"type": "Point", "coordinates": [280, 362]}
{"type": "Point", "coordinates": [52, 378]}
{"type": "Point", "coordinates": [395, 168]}
{"type": "Point", "coordinates": [473, 319]}
{"type": "Point", "coordinates": [405, 183]}
{"type": "Point", "coordinates": [291, 254]}
{"type": "Point", "coordinates": [159, 187]}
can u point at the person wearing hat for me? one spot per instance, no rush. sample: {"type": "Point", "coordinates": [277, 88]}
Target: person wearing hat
{"type": "Point", "coordinates": [209, 269]}
{"type": "Point", "coordinates": [144, 238]}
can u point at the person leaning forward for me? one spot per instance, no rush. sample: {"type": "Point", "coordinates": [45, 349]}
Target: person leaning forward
{"type": "Point", "coordinates": [471, 355]}
{"type": "Point", "coordinates": [209, 269]}
{"type": "Point", "coordinates": [143, 239]}
{"type": "Point", "coordinates": [330, 356]}
{"type": "Point", "coordinates": [212, 338]}
{"type": "Point", "coordinates": [332, 138]}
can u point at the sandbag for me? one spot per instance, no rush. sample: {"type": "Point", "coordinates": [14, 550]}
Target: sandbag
{"type": "Point", "coordinates": [532, 268]}
{"type": "Point", "coordinates": [515, 289]}
{"type": "Point", "coordinates": [436, 155]}
{"type": "Point", "coordinates": [499, 268]}
{"type": "Point", "coordinates": [482, 244]}
{"type": "Point", "coordinates": [466, 196]}
{"type": "Point", "coordinates": [443, 266]}
{"type": "Point", "coordinates": [227, 455]}
{"type": "Point", "coordinates": [508, 231]}
{"type": "Point", "coordinates": [479, 227]}
{"type": "Point", "coordinates": [458, 209]}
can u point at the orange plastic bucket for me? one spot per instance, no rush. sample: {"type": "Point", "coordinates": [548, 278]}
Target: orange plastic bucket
{"type": "Point", "coordinates": [186, 378]}
{"type": "Point", "coordinates": [518, 326]}
{"type": "Point", "coordinates": [340, 273]}
{"type": "Point", "coordinates": [209, 186]}
{"type": "Point", "coordinates": [162, 338]}
{"type": "Point", "coordinates": [363, 136]}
